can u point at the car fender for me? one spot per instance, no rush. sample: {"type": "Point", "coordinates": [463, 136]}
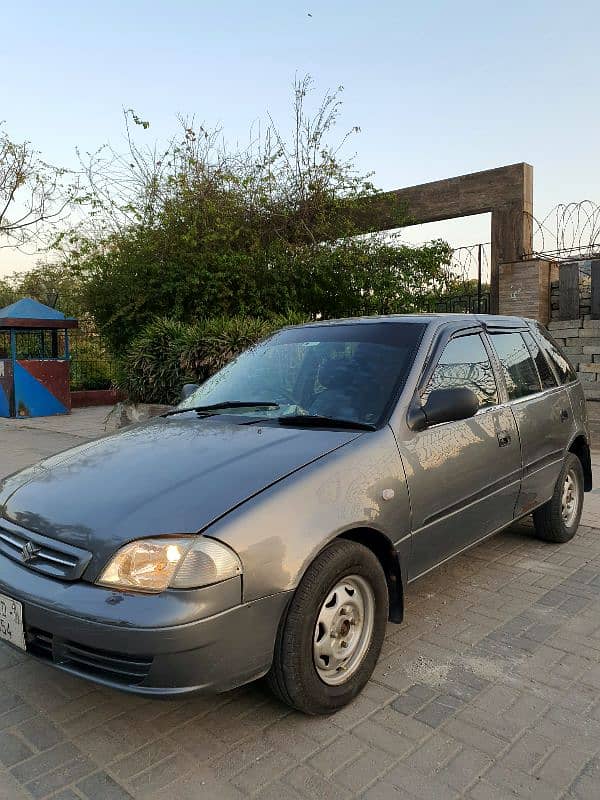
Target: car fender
{"type": "Point", "coordinates": [279, 532]}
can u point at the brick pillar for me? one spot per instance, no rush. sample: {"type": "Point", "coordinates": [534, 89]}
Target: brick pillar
{"type": "Point", "coordinates": [524, 288]}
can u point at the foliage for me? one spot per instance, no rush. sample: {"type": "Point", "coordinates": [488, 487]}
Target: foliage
{"type": "Point", "coordinates": [461, 287]}
{"type": "Point", "coordinates": [34, 195]}
{"type": "Point", "coordinates": [168, 353]}
{"type": "Point", "coordinates": [52, 284]}
{"type": "Point", "coordinates": [199, 229]}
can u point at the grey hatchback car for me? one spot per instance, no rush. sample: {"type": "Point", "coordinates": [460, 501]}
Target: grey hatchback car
{"type": "Point", "coordinates": [271, 523]}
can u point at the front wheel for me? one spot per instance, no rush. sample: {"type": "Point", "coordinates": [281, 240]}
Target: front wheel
{"type": "Point", "coordinates": [331, 636]}
{"type": "Point", "coordinates": [558, 519]}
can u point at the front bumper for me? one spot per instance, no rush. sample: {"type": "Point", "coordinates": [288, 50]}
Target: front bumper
{"type": "Point", "coordinates": [167, 644]}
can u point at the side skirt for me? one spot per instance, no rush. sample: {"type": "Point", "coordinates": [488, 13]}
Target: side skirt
{"type": "Point", "coordinates": [474, 544]}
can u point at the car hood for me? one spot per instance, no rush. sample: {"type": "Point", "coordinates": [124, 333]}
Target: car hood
{"type": "Point", "coordinates": [171, 475]}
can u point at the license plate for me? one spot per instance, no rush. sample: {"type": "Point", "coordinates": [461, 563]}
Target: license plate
{"type": "Point", "coordinates": [11, 621]}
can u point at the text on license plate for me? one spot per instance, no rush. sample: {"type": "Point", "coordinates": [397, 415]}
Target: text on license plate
{"type": "Point", "coordinates": [11, 621]}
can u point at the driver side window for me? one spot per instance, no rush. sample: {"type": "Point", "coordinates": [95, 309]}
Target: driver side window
{"type": "Point", "coordinates": [465, 363]}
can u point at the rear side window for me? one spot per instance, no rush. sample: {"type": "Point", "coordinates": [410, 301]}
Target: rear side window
{"type": "Point", "coordinates": [543, 368]}
{"type": "Point", "coordinates": [519, 370]}
{"type": "Point", "coordinates": [562, 367]}
{"type": "Point", "coordinates": [465, 362]}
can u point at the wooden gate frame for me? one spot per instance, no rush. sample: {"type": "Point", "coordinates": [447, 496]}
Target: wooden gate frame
{"type": "Point", "coordinates": [505, 192]}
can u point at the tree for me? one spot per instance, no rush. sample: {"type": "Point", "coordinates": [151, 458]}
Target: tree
{"type": "Point", "coordinates": [35, 196]}
{"type": "Point", "coordinates": [198, 228]}
{"type": "Point", "coordinates": [52, 284]}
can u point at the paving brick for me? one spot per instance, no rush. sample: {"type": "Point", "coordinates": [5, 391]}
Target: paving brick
{"type": "Point", "coordinates": [433, 754]}
{"type": "Point", "coordinates": [100, 786]}
{"type": "Point", "coordinates": [161, 773]}
{"type": "Point", "coordinates": [520, 783]}
{"type": "Point", "coordinates": [527, 752]}
{"type": "Point", "coordinates": [436, 712]}
{"type": "Point", "coordinates": [60, 777]}
{"type": "Point", "coordinates": [45, 762]}
{"type": "Point", "coordinates": [13, 749]}
{"type": "Point", "coordinates": [467, 766]}
{"type": "Point", "coordinates": [585, 786]}
{"type": "Point", "coordinates": [264, 770]}
{"type": "Point", "coordinates": [375, 735]}
{"type": "Point", "coordinates": [66, 794]}
{"type": "Point", "coordinates": [475, 737]}
{"type": "Point", "coordinates": [311, 784]}
{"type": "Point", "coordinates": [41, 733]}
{"type": "Point", "coordinates": [369, 766]}
{"type": "Point", "coordinates": [562, 766]}
{"type": "Point", "coordinates": [9, 699]}
{"type": "Point", "coordinates": [143, 758]}
{"type": "Point", "coordinates": [198, 784]}
{"type": "Point", "coordinates": [10, 789]}
{"type": "Point", "coordinates": [413, 699]}
{"type": "Point", "coordinates": [405, 726]}
{"type": "Point", "coordinates": [16, 715]}
{"type": "Point", "coordinates": [335, 755]}
{"type": "Point", "coordinates": [417, 785]}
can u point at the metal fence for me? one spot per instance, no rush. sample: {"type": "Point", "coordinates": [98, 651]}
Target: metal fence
{"type": "Point", "coordinates": [92, 365]}
{"type": "Point", "coordinates": [470, 303]}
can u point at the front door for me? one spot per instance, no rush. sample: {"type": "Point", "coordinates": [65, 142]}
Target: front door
{"type": "Point", "coordinates": [464, 476]}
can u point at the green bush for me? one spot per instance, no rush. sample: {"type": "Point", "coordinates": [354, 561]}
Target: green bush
{"type": "Point", "coordinates": [168, 353]}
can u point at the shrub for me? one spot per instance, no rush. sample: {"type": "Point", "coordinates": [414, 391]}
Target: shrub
{"type": "Point", "coordinates": [168, 353]}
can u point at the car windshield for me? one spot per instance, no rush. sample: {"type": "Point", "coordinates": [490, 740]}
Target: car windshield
{"type": "Point", "coordinates": [345, 371]}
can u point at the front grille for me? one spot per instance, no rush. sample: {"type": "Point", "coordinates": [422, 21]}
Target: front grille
{"type": "Point", "coordinates": [91, 662]}
{"type": "Point", "coordinates": [41, 553]}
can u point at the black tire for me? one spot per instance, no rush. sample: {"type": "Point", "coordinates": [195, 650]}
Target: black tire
{"type": "Point", "coordinates": [548, 520]}
{"type": "Point", "coordinates": [293, 676]}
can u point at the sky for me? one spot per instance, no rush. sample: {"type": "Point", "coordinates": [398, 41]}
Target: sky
{"type": "Point", "coordinates": [438, 88]}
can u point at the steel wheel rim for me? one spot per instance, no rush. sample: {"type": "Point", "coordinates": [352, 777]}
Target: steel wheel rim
{"type": "Point", "coordinates": [570, 498]}
{"type": "Point", "coordinates": [344, 630]}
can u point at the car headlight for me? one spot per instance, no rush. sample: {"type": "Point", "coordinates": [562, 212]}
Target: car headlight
{"type": "Point", "coordinates": [153, 565]}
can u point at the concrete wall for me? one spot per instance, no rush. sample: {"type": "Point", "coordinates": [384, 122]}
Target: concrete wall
{"type": "Point", "coordinates": [524, 288]}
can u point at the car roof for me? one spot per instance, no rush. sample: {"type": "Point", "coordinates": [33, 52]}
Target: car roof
{"type": "Point", "coordinates": [487, 320]}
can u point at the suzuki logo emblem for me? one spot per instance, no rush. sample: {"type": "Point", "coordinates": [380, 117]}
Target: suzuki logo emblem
{"type": "Point", "coordinates": [28, 552]}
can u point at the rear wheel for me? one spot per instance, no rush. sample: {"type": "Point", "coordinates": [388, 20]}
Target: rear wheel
{"type": "Point", "coordinates": [558, 520]}
{"type": "Point", "coordinates": [331, 636]}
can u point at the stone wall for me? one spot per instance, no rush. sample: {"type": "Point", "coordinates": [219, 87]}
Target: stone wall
{"type": "Point", "coordinates": [580, 339]}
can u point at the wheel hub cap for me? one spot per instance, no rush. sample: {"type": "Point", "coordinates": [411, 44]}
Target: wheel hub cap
{"type": "Point", "coordinates": [343, 630]}
{"type": "Point", "coordinates": [570, 499]}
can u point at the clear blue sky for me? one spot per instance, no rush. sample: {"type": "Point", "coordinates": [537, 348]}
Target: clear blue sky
{"type": "Point", "coordinates": [438, 88]}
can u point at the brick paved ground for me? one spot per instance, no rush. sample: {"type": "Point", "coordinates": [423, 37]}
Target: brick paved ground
{"type": "Point", "coordinates": [490, 689]}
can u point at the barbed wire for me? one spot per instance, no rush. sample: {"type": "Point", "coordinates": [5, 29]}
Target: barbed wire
{"type": "Point", "coordinates": [465, 262]}
{"type": "Point", "coordinates": [569, 230]}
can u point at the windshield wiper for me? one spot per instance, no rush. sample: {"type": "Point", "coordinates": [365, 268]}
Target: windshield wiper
{"type": "Point", "coordinates": [221, 407]}
{"type": "Point", "coordinates": [318, 421]}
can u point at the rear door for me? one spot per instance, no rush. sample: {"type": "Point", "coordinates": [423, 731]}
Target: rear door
{"type": "Point", "coordinates": [542, 410]}
{"type": "Point", "coordinates": [463, 476]}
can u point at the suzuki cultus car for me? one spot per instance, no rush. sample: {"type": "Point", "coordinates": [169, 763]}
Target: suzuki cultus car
{"type": "Point", "coordinates": [272, 523]}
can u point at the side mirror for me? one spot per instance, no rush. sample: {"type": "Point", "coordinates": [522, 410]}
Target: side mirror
{"type": "Point", "coordinates": [188, 389]}
{"type": "Point", "coordinates": [450, 405]}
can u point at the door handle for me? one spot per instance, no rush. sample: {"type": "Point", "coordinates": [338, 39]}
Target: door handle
{"type": "Point", "coordinates": [564, 415]}
{"type": "Point", "coordinates": [503, 438]}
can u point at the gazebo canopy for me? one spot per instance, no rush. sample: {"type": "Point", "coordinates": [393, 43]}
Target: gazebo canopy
{"type": "Point", "coordinates": [28, 313]}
